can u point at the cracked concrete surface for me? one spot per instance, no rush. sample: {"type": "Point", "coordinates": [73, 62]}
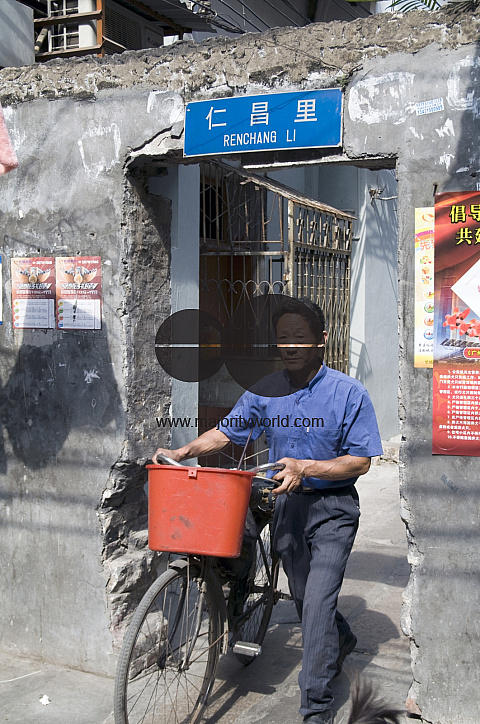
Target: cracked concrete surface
{"type": "Point", "coordinates": [281, 58]}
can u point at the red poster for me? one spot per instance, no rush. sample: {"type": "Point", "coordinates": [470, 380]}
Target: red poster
{"type": "Point", "coordinates": [33, 292]}
{"type": "Point", "coordinates": [456, 354]}
{"type": "Point", "coordinates": [79, 292]}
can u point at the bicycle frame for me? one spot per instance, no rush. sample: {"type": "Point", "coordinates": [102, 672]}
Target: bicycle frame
{"type": "Point", "coordinates": [208, 577]}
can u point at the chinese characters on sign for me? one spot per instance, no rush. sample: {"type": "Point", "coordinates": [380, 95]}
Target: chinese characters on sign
{"type": "Point", "coordinates": [459, 390]}
{"type": "Point", "coordinates": [456, 363]}
{"type": "Point", "coordinates": [424, 244]}
{"type": "Point", "coordinates": [33, 292]}
{"type": "Point", "coordinates": [305, 119]}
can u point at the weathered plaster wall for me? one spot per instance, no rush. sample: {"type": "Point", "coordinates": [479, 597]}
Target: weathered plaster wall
{"type": "Point", "coordinates": [436, 152]}
{"type": "Point", "coordinates": [311, 56]}
{"type": "Point", "coordinates": [387, 65]}
{"type": "Point", "coordinates": [373, 281]}
{"type": "Point", "coordinates": [78, 408]}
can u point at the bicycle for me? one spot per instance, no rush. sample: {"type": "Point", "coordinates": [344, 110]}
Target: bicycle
{"type": "Point", "coordinates": [197, 609]}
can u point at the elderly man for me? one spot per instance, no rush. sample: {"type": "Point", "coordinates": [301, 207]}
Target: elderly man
{"type": "Point", "coordinates": [329, 436]}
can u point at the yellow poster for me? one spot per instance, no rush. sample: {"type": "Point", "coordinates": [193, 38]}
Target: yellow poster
{"type": "Point", "coordinates": [424, 292]}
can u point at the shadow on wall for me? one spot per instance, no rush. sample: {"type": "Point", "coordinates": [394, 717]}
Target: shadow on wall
{"type": "Point", "coordinates": [379, 238]}
{"type": "Point", "coordinates": [360, 359]}
{"type": "Point", "coordinates": [54, 389]}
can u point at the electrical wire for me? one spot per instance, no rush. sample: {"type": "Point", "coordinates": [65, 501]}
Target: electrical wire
{"type": "Point", "coordinates": [282, 44]}
{"type": "Point", "coordinates": [236, 29]}
{"type": "Point", "coordinates": [213, 20]}
{"type": "Point", "coordinates": [231, 28]}
{"type": "Point", "coordinates": [281, 13]}
{"type": "Point", "coordinates": [295, 10]}
{"type": "Point", "coordinates": [267, 27]}
{"type": "Point", "coordinates": [224, 23]}
{"type": "Point", "coordinates": [219, 21]}
{"type": "Point", "coordinates": [275, 7]}
{"type": "Point", "coordinates": [352, 15]}
{"type": "Point", "coordinates": [228, 28]}
{"type": "Point", "coordinates": [275, 42]}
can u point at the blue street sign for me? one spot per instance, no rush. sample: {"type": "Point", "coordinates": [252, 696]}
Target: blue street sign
{"type": "Point", "coordinates": [280, 121]}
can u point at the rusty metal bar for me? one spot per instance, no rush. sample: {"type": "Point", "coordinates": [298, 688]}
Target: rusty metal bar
{"type": "Point", "coordinates": [314, 255]}
{"type": "Point", "coordinates": [101, 27]}
{"type": "Point", "coordinates": [72, 52]}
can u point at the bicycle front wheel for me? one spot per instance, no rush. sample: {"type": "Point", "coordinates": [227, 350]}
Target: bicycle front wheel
{"type": "Point", "coordinates": [169, 656]}
{"type": "Point", "coordinates": [260, 593]}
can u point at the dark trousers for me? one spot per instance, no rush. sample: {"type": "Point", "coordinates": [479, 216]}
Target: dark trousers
{"type": "Point", "coordinates": [313, 535]}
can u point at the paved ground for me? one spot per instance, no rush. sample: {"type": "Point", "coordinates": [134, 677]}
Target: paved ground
{"type": "Point", "coordinates": [265, 692]}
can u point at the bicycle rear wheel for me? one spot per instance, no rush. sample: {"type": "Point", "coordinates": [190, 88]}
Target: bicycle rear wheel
{"type": "Point", "coordinates": [260, 591]}
{"type": "Point", "coordinates": [169, 656]}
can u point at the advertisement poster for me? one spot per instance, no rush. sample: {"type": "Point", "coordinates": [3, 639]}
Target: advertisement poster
{"type": "Point", "coordinates": [456, 354]}
{"type": "Point", "coordinates": [33, 292]}
{"type": "Point", "coordinates": [79, 292]}
{"type": "Point", "coordinates": [424, 292]}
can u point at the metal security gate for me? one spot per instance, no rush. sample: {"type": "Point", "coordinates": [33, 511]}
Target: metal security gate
{"type": "Point", "coordinates": [318, 267]}
{"type": "Point", "coordinates": [257, 237]}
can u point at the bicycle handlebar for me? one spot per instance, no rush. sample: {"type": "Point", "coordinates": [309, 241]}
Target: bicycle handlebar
{"type": "Point", "coordinates": [267, 466]}
{"type": "Point", "coordinates": [259, 469]}
{"type": "Point", "coordinates": [168, 461]}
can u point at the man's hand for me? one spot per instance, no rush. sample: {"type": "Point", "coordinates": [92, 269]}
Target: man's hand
{"type": "Point", "coordinates": [211, 441]}
{"type": "Point", "coordinates": [341, 468]}
{"type": "Point", "coordinates": [291, 476]}
{"type": "Point", "coordinates": [173, 454]}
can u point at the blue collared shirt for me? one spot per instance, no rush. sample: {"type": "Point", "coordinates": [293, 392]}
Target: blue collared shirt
{"type": "Point", "coordinates": [330, 417]}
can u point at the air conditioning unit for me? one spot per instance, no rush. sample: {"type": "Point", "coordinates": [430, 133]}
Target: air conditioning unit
{"type": "Point", "coordinates": [71, 36]}
{"type": "Point", "coordinates": [129, 30]}
{"type": "Point", "coordinates": [123, 29]}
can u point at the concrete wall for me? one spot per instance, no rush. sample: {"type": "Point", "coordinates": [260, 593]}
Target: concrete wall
{"type": "Point", "coordinates": [124, 109]}
{"type": "Point", "coordinates": [437, 151]}
{"type": "Point", "coordinates": [374, 285]}
{"type": "Point", "coordinates": [78, 407]}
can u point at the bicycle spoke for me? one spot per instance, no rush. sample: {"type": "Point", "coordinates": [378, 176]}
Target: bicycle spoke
{"type": "Point", "coordinates": [168, 662]}
{"type": "Point", "coordinates": [170, 657]}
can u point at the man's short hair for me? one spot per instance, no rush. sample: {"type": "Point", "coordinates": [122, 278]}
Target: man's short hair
{"type": "Point", "coordinates": [305, 308]}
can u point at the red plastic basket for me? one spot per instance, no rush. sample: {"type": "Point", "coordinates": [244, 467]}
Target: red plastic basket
{"type": "Point", "coordinates": [197, 510]}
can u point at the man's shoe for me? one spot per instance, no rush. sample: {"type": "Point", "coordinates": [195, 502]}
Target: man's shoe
{"type": "Point", "coordinates": [346, 648]}
{"type": "Point", "coordinates": [321, 717]}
